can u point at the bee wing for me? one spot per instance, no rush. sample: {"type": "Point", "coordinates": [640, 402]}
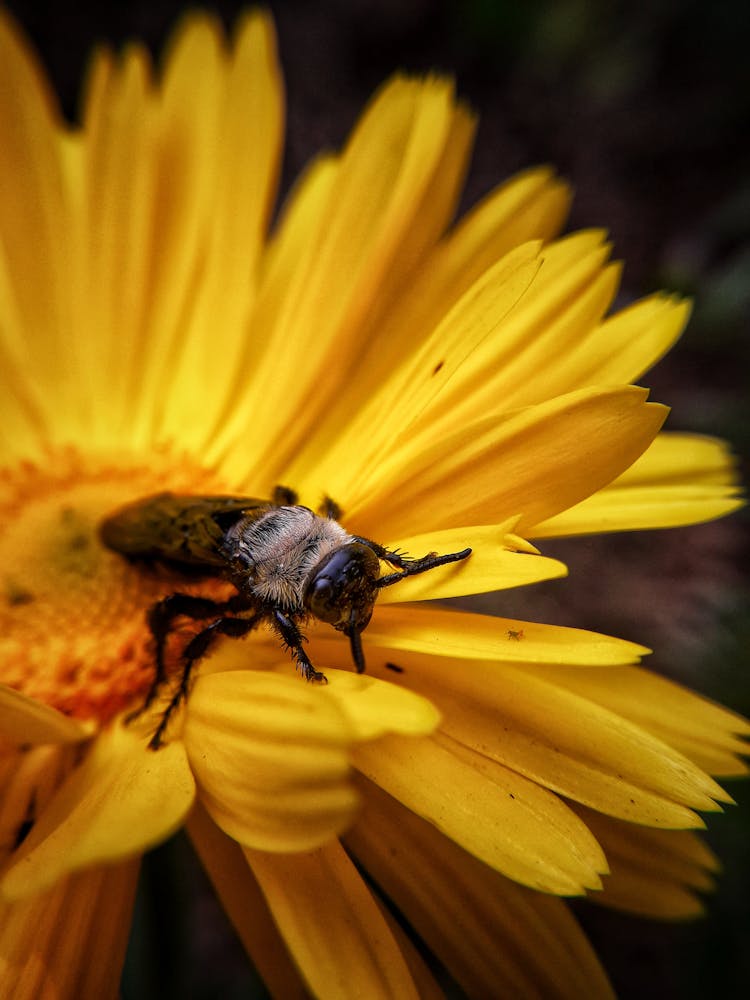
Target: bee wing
{"type": "Point", "coordinates": [177, 528]}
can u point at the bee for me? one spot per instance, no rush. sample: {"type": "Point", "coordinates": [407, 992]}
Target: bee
{"type": "Point", "coordinates": [286, 563]}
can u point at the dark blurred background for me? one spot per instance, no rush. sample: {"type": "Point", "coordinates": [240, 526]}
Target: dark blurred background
{"type": "Point", "coordinates": [645, 107]}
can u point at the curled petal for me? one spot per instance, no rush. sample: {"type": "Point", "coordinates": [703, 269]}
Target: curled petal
{"type": "Point", "coordinates": [271, 757]}
{"type": "Point", "coordinates": [374, 707]}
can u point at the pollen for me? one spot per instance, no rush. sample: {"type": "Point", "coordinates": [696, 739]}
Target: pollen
{"type": "Point", "coordinates": [73, 629]}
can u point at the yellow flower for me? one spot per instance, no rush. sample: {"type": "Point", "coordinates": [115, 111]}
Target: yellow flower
{"type": "Point", "coordinates": [448, 386]}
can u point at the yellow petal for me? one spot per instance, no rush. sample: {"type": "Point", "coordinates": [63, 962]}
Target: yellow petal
{"type": "Point", "coordinates": [332, 925]}
{"type": "Point", "coordinates": [284, 264]}
{"type": "Point", "coordinates": [29, 777]}
{"type": "Point", "coordinates": [517, 365]}
{"type": "Point", "coordinates": [31, 178]}
{"type": "Point", "coordinates": [495, 937]}
{"type": "Point", "coordinates": [245, 906]}
{"type": "Point", "coordinates": [501, 818]}
{"type": "Point", "coordinates": [681, 479]}
{"type": "Point", "coordinates": [353, 457]}
{"type": "Point", "coordinates": [293, 237]}
{"type": "Point", "coordinates": [270, 755]}
{"type": "Point", "coordinates": [254, 120]}
{"type": "Point", "coordinates": [119, 801]}
{"type": "Point", "coordinates": [641, 894]}
{"type": "Point", "coordinates": [363, 253]}
{"type": "Point", "coordinates": [373, 707]}
{"type": "Point", "coordinates": [24, 720]}
{"type": "Point", "coordinates": [529, 206]}
{"type": "Point", "coordinates": [184, 130]}
{"type": "Point", "coordinates": [112, 249]}
{"type": "Point", "coordinates": [579, 348]}
{"type": "Point", "coordinates": [523, 722]}
{"type": "Point", "coordinates": [441, 632]}
{"type": "Point", "coordinates": [172, 210]}
{"type": "Point", "coordinates": [245, 161]}
{"type": "Point", "coordinates": [69, 941]}
{"type": "Point", "coordinates": [533, 463]}
{"type": "Point", "coordinates": [680, 459]}
{"type": "Point", "coordinates": [493, 564]}
{"type": "Point", "coordinates": [631, 341]}
{"type": "Point", "coordinates": [426, 984]}
{"type": "Point", "coordinates": [708, 734]}
{"type": "Point", "coordinates": [34, 227]}
{"type": "Point", "coordinates": [654, 873]}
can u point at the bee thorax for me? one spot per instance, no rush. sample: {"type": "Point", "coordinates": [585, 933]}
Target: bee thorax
{"type": "Point", "coordinates": [277, 552]}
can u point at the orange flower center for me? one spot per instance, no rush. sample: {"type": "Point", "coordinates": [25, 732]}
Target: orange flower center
{"type": "Point", "coordinates": [73, 629]}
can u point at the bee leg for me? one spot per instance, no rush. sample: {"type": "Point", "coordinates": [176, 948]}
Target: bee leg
{"type": "Point", "coordinates": [330, 509]}
{"type": "Point", "coordinates": [160, 618]}
{"type": "Point", "coordinates": [197, 648]}
{"type": "Point", "coordinates": [282, 496]}
{"type": "Point", "coordinates": [289, 633]}
{"type": "Point", "coordinates": [408, 566]}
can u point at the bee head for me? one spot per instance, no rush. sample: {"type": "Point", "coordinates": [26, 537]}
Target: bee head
{"type": "Point", "coordinates": [342, 592]}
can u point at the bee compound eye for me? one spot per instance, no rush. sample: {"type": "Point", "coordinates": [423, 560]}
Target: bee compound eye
{"type": "Point", "coordinates": [321, 601]}
{"type": "Point", "coordinates": [342, 589]}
